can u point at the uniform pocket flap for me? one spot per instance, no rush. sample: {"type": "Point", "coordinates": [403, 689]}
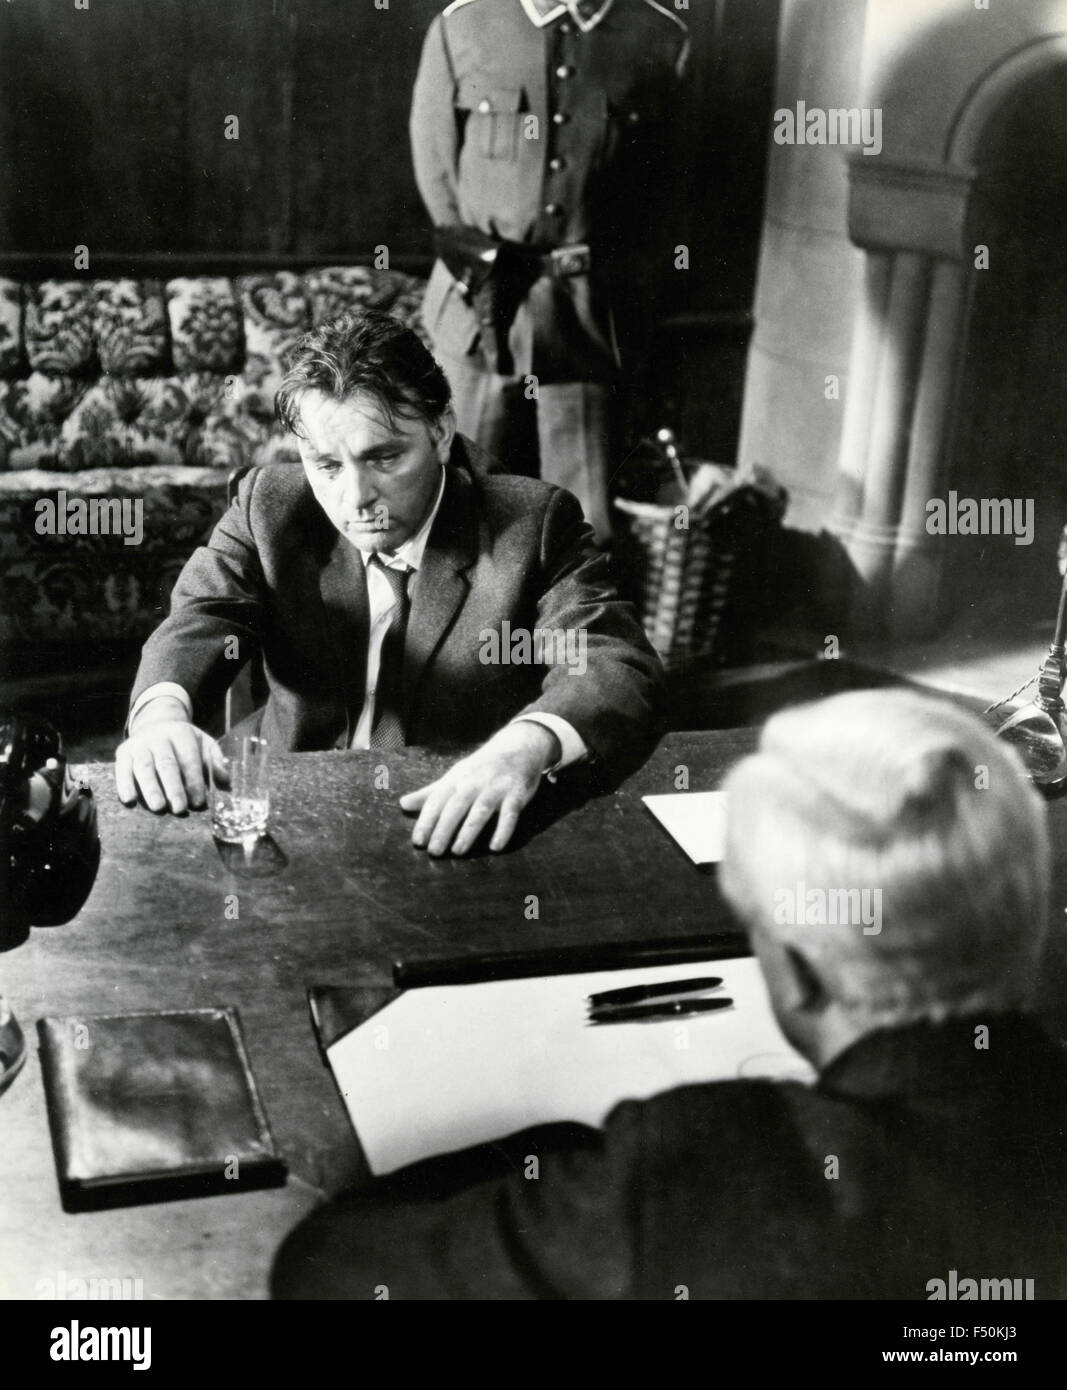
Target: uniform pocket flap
{"type": "Point", "coordinates": [476, 93]}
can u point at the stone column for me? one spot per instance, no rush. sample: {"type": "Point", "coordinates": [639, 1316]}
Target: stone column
{"type": "Point", "coordinates": [810, 274]}
{"type": "Point", "coordinates": [917, 559]}
{"type": "Point", "coordinates": [895, 449]}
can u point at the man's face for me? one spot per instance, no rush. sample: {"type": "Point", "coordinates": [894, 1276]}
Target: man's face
{"type": "Point", "coordinates": [375, 481]}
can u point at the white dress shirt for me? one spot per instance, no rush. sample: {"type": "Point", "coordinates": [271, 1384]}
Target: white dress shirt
{"type": "Point", "coordinates": [381, 603]}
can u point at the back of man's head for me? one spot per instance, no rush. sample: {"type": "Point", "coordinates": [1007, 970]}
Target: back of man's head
{"type": "Point", "coordinates": [891, 861]}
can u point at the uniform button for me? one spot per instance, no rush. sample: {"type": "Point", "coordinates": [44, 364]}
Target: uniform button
{"type": "Point", "coordinates": [552, 209]}
{"type": "Point", "coordinates": [556, 163]}
{"type": "Point", "coordinates": [485, 104]}
{"type": "Point", "coordinates": [634, 117]}
{"type": "Point", "coordinates": [560, 118]}
{"type": "Point", "coordinates": [566, 27]}
{"type": "Point", "coordinates": [563, 70]}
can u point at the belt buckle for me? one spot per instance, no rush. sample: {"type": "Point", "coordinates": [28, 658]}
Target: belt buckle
{"type": "Point", "coordinates": [570, 260]}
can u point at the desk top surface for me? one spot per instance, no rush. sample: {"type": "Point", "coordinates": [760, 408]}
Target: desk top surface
{"type": "Point", "coordinates": [341, 895]}
{"type": "Point", "coordinates": [175, 922]}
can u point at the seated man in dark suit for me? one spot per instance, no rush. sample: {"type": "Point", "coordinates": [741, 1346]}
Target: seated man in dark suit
{"type": "Point", "coordinates": [931, 1149]}
{"type": "Point", "coordinates": [399, 595]}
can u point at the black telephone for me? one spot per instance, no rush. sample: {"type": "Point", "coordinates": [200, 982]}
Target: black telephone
{"type": "Point", "coordinates": [49, 843]}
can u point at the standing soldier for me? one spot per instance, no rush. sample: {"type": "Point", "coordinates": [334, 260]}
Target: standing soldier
{"type": "Point", "coordinates": [540, 131]}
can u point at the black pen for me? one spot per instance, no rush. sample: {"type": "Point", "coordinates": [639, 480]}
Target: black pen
{"type": "Point", "coordinates": [678, 1009]}
{"type": "Point", "coordinates": [636, 994]}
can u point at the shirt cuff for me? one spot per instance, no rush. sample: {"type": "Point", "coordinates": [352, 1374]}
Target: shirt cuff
{"type": "Point", "coordinates": [153, 692]}
{"type": "Point", "coordinates": [573, 748]}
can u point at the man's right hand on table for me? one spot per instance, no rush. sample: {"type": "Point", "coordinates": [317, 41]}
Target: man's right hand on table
{"type": "Point", "coordinates": [166, 758]}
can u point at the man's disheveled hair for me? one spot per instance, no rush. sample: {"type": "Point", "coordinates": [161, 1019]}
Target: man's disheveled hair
{"type": "Point", "coordinates": [363, 350]}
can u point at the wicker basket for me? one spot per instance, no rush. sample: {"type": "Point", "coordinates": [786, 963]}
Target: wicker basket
{"type": "Point", "coordinates": [699, 587]}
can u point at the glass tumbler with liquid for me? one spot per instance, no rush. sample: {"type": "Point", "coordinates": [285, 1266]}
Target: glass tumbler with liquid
{"type": "Point", "coordinates": [240, 793]}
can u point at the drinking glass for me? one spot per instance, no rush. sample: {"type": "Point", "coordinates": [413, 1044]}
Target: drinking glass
{"type": "Point", "coordinates": [240, 795]}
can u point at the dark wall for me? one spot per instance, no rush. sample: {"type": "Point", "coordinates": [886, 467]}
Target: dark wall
{"type": "Point", "coordinates": [112, 124]}
{"type": "Point", "coordinates": [115, 125]}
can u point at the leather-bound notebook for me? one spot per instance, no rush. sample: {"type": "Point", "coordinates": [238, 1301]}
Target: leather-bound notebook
{"type": "Point", "coordinates": [148, 1107]}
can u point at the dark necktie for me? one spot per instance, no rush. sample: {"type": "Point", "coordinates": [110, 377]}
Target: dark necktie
{"type": "Point", "coordinates": [387, 731]}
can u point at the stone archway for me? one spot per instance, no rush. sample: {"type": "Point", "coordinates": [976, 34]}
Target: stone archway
{"type": "Point", "coordinates": [910, 216]}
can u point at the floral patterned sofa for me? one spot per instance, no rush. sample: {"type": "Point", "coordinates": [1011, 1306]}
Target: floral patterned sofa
{"type": "Point", "coordinates": [138, 389]}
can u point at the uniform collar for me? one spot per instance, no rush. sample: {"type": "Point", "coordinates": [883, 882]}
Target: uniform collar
{"type": "Point", "coordinates": [545, 12]}
{"type": "Point", "coordinates": [409, 555]}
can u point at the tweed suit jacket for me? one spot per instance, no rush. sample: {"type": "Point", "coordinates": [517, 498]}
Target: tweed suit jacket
{"type": "Point", "coordinates": [281, 579]}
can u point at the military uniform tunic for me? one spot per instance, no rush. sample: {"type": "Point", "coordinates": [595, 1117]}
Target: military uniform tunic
{"type": "Point", "coordinates": [548, 124]}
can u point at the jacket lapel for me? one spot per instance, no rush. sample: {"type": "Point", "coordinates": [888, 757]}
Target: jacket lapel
{"type": "Point", "coordinates": [343, 587]}
{"type": "Point", "coordinates": [439, 589]}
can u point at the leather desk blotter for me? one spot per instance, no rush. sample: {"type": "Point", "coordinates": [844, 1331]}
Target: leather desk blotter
{"type": "Point", "coordinates": [148, 1107]}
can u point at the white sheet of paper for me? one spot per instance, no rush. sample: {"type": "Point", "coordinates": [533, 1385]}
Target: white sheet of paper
{"type": "Point", "coordinates": [697, 820]}
{"type": "Point", "coordinates": [444, 1067]}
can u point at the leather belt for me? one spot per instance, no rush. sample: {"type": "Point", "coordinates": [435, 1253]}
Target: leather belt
{"type": "Point", "coordinates": [494, 276]}
{"type": "Point", "coordinates": [561, 263]}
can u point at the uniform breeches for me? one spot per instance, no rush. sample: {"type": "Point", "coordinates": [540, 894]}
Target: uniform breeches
{"type": "Point", "coordinates": [563, 432]}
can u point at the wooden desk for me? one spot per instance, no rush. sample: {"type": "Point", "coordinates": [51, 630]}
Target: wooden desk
{"type": "Point", "coordinates": [352, 896]}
